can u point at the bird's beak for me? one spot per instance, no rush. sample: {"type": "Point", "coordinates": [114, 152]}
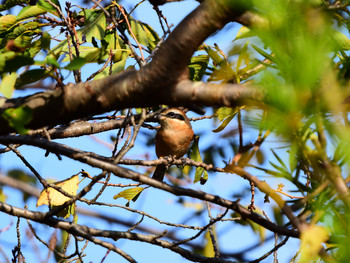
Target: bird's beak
{"type": "Point", "coordinates": [159, 117]}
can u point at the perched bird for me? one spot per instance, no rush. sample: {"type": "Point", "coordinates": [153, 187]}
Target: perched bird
{"type": "Point", "coordinates": [173, 138]}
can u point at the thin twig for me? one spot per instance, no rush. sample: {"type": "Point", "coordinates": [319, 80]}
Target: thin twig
{"type": "Point", "coordinates": [122, 11]}
{"type": "Point", "coordinates": [211, 233]}
{"type": "Point", "coordinates": [212, 222]}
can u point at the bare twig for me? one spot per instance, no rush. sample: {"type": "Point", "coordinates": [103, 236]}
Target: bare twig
{"type": "Point", "coordinates": [211, 233]}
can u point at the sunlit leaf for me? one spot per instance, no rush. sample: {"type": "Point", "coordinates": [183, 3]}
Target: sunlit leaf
{"type": "Point", "coordinates": [51, 196]}
{"type": "Point", "coordinates": [129, 194]}
{"type": "Point", "coordinates": [7, 84]}
{"type": "Point", "coordinates": [95, 25]}
{"type": "Point", "coordinates": [117, 67]}
{"type": "Point", "coordinates": [225, 115]}
{"type": "Point", "coordinates": [208, 250]}
{"type": "Point", "coordinates": [29, 11]}
{"type": "Point", "coordinates": [198, 66]}
{"type": "Point", "coordinates": [312, 240]}
{"type": "Point", "coordinates": [6, 22]}
{"type": "Point", "coordinates": [48, 7]}
{"type": "Point", "coordinates": [244, 32]}
{"type": "Point", "coordinates": [2, 196]}
{"type": "Point", "coordinates": [243, 56]}
{"type": "Point", "coordinates": [214, 55]}
{"type": "Point", "coordinates": [152, 36]}
{"type": "Point", "coordinates": [76, 63]}
{"type": "Point", "coordinates": [138, 29]}
{"type": "Point", "coordinates": [51, 60]}
{"type": "Point", "coordinates": [201, 174]}
{"type": "Point", "coordinates": [342, 40]}
{"type": "Point", "coordinates": [38, 45]}
{"type": "Point", "coordinates": [224, 112]}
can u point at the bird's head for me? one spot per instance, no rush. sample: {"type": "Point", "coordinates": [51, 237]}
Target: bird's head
{"type": "Point", "coordinates": [173, 118]}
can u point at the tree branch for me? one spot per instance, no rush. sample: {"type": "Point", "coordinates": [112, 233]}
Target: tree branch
{"type": "Point", "coordinates": [106, 164]}
{"type": "Point", "coordinates": [90, 233]}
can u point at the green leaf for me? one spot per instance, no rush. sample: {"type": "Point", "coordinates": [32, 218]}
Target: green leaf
{"type": "Point", "coordinates": [29, 11]}
{"type": "Point", "coordinates": [21, 176]}
{"type": "Point", "coordinates": [279, 159]}
{"type": "Point", "coordinates": [66, 212]}
{"type": "Point", "coordinates": [43, 43]}
{"type": "Point", "coordinates": [47, 6]}
{"type": "Point", "coordinates": [6, 22]}
{"type": "Point", "coordinates": [129, 194]}
{"type": "Point", "coordinates": [51, 60]}
{"type": "Point", "coordinates": [243, 56]}
{"type": "Point", "coordinates": [11, 3]}
{"type": "Point", "coordinates": [263, 53]}
{"type": "Point", "coordinates": [139, 32]}
{"type": "Point", "coordinates": [95, 27]}
{"type": "Point", "coordinates": [152, 36]}
{"type": "Point", "coordinates": [18, 118]}
{"type": "Point", "coordinates": [11, 61]}
{"type": "Point", "coordinates": [76, 64]}
{"type": "Point", "coordinates": [342, 40]}
{"type": "Point", "coordinates": [198, 66]}
{"type": "Point", "coordinates": [226, 114]}
{"type": "Point", "coordinates": [23, 41]}
{"type": "Point", "coordinates": [201, 174]}
{"type": "Point", "coordinates": [214, 55]}
{"type": "Point", "coordinates": [260, 156]}
{"type": "Point", "coordinates": [95, 24]}
{"type": "Point", "coordinates": [31, 76]}
{"type": "Point", "coordinates": [117, 67]}
{"type": "Point", "coordinates": [7, 85]}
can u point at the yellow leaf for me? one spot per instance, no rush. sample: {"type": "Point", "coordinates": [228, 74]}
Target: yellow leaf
{"type": "Point", "coordinates": [208, 250]}
{"type": "Point", "coordinates": [2, 196]}
{"type": "Point", "coordinates": [52, 197]}
{"type": "Point", "coordinates": [129, 194]}
{"type": "Point", "coordinates": [312, 240]}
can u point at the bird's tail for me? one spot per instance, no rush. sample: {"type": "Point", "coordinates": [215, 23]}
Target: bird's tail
{"type": "Point", "coordinates": [159, 172]}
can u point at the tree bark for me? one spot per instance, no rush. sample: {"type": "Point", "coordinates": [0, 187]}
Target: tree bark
{"type": "Point", "coordinates": [156, 83]}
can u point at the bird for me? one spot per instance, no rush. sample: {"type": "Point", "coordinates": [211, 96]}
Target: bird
{"type": "Point", "coordinates": [173, 138]}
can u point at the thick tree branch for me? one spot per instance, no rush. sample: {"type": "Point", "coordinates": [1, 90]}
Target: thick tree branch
{"type": "Point", "coordinates": [143, 88]}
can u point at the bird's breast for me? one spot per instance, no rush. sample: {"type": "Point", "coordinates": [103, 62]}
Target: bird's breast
{"type": "Point", "coordinates": [173, 142]}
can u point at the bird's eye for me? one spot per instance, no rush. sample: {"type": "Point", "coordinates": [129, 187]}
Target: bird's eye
{"type": "Point", "coordinates": [174, 115]}
{"type": "Point", "coordinates": [171, 114]}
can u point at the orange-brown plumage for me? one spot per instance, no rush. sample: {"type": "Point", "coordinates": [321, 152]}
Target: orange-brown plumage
{"type": "Point", "coordinates": [173, 138]}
